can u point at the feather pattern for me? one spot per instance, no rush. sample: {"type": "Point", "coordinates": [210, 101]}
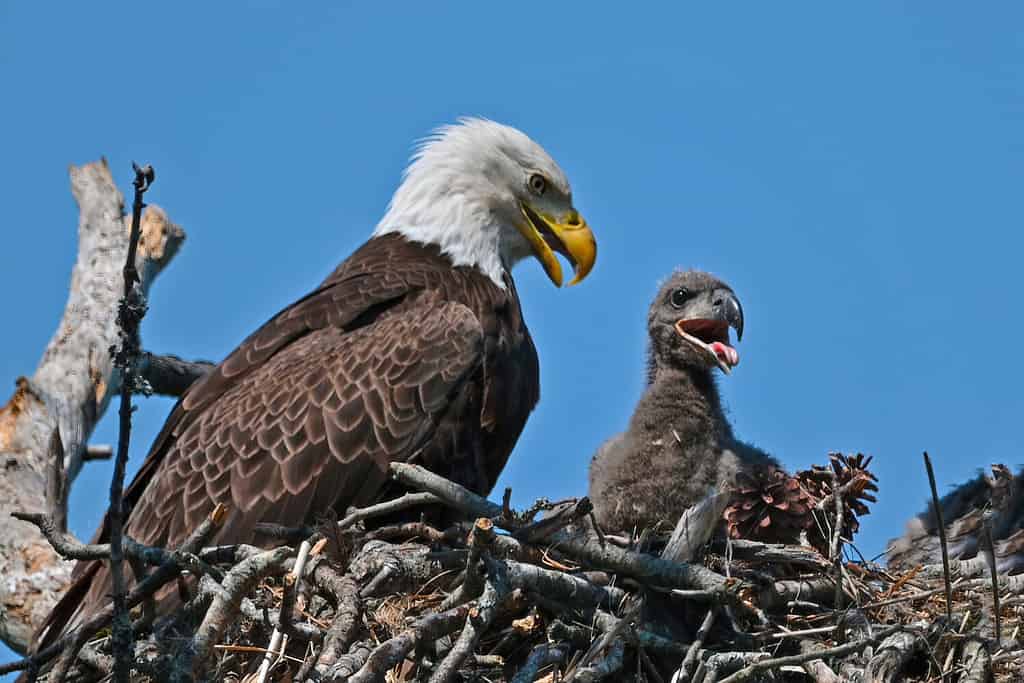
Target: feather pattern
{"type": "Point", "coordinates": [397, 356]}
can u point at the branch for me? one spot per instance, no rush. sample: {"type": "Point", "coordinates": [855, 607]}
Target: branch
{"type": "Point", "coordinates": [541, 656]}
{"type": "Point", "coordinates": [170, 375]}
{"type": "Point", "coordinates": [478, 620]}
{"type": "Point", "coordinates": [423, 630]}
{"type": "Point", "coordinates": [129, 316]}
{"type": "Point", "coordinates": [943, 545]}
{"type": "Point", "coordinates": [750, 672]}
{"type": "Point", "coordinates": [224, 609]}
{"type": "Point", "coordinates": [67, 646]}
{"type": "Point", "coordinates": [654, 570]}
{"type": "Point", "coordinates": [70, 390]}
{"type": "Point", "coordinates": [348, 610]}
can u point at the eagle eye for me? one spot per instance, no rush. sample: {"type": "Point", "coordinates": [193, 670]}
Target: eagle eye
{"type": "Point", "coordinates": [538, 184]}
{"type": "Point", "coordinates": [679, 297]}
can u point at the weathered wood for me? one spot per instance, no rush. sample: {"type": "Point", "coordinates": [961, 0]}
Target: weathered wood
{"type": "Point", "coordinates": [70, 390]}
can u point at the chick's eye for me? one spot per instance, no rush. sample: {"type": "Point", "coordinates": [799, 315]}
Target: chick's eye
{"type": "Point", "coordinates": [679, 297]}
{"type": "Point", "coordinates": [538, 184]}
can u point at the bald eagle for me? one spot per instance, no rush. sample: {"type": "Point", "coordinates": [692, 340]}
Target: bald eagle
{"type": "Point", "coordinates": [413, 350]}
{"type": "Point", "coordinates": [679, 442]}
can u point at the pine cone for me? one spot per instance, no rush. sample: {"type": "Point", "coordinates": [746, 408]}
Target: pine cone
{"type": "Point", "coordinates": [768, 505]}
{"type": "Point", "coordinates": [858, 485]}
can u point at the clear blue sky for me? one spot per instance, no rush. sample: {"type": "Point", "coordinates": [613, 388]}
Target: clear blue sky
{"type": "Point", "coordinates": [855, 173]}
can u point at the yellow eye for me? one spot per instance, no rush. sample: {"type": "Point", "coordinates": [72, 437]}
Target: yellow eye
{"type": "Point", "coordinates": [538, 183]}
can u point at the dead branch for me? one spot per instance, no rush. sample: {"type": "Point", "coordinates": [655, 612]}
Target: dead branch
{"type": "Point", "coordinates": [752, 670]}
{"type": "Point", "coordinates": [69, 390]}
{"type": "Point", "coordinates": [169, 375]}
{"type": "Point", "coordinates": [225, 607]}
{"type": "Point", "coordinates": [68, 645]}
{"type": "Point", "coordinates": [937, 507]}
{"type": "Point", "coordinates": [654, 570]}
{"type": "Point", "coordinates": [606, 666]}
{"type": "Point", "coordinates": [541, 656]}
{"type": "Point", "coordinates": [892, 656]}
{"type": "Point", "coordinates": [977, 662]}
{"type": "Point", "coordinates": [343, 590]}
{"type": "Point", "coordinates": [391, 652]}
{"type": "Point", "coordinates": [496, 590]}
{"type": "Point", "coordinates": [130, 312]}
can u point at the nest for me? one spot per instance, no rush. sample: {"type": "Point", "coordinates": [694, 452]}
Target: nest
{"type": "Point", "coordinates": [546, 596]}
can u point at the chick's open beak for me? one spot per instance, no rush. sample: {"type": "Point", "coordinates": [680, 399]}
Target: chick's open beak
{"type": "Point", "coordinates": [569, 236]}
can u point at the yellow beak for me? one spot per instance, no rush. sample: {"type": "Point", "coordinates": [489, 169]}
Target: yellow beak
{"type": "Point", "coordinates": [570, 237]}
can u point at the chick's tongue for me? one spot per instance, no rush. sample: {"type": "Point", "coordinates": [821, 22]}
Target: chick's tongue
{"type": "Point", "coordinates": [726, 353]}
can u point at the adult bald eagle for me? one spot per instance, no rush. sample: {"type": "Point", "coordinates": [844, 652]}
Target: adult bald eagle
{"type": "Point", "coordinates": [679, 442]}
{"type": "Point", "coordinates": [414, 349]}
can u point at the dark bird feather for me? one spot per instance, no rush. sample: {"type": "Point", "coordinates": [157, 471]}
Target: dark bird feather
{"type": "Point", "coordinates": [396, 356]}
{"type": "Point", "coordinates": [679, 444]}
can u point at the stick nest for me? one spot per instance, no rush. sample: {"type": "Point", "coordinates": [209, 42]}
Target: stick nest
{"type": "Point", "coordinates": [543, 595]}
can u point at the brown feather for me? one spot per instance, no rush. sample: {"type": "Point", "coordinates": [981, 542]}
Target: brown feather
{"type": "Point", "coordinates": [398, 355]}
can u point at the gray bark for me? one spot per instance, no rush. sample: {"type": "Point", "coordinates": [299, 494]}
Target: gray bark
{"type": "Point", "coordinates": [69, 390]}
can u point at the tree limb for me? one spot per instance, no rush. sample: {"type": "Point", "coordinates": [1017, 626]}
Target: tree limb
{"type": "Point", "coordinates": [69, 390]}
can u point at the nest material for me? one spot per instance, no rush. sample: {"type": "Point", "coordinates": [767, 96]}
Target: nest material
{"type": "Point", "coordinates": [511, 599]}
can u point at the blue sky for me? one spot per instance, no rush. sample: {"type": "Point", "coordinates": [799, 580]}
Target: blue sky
{"type": "Point", "coordinates": [854, 172]}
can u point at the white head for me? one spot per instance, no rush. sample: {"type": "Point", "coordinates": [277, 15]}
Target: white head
{"type": "Point", "coordinates": [489, 196]}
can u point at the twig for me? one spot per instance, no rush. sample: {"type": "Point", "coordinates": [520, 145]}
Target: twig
{"type": "Point", "coordinates": [391, 652]}
{"type": "Point", "coordinates": [606, 666]}
{"type": "Point", "coordinates": [343, 591]}
{"type": "Point", "coordinates": [977, 662]}
{"type": "Point", "coordinates": [403, 502]}
{"type": "Point", "coordinates": [67, 646]}
{"type": "Point", "coordinates": [989, 550]}
{"type": "Point", "coordinates": [170, 375]}
{"type": "Point", "coordinates": [943, 545]}
{"type": "Point", "coordinates": [496, 590]}
{"type": "Point", "coordinates": [744, 549]}
{"type": "Point", "coordinates": [654, 570]}
{"type": "Point", "coordinates": [833, 550]}
{"type": "Point", "coordinates": [225, 606]}
{"type": "Point", "coordinates": [686, 668]}
{"type": "Point", "coordinates": [132, 309]}
{"type": "Point", "coordinates": [647, 640]}
{"type": "Point", "coordinates": [765, 665]}
{"type": "Point", "coordinates": [56, 484]}
{"type": "Point", "coordinates": [694, 528]}
{"type": "Point", "coordinates": [101, 452]}
{"type": "Point", "coordinates": [546, 526]}
{"type": "Point", "coordinates": [291, 589]}
{"type": "Point", "coordinates": [480, 537]}
{"type": "Point", "coordinates": [541, 656]}
{"type": "Point", "coordinates": [892, 656]}
{"type": "Point", "coordinates": [68, 547]}
{"type": "Point", "coordinates": [387, 507]}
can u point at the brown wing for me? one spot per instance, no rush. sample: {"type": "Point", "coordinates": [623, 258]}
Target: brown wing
{"type": "Point", "coordinates": [305, 414]}
{"type": "Point", "coordinates": [315, 425]}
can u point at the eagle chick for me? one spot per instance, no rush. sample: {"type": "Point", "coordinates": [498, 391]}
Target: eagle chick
{"type": "Point", "coordinates": [679, 443]}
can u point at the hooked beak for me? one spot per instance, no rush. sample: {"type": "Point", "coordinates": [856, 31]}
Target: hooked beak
{"type": "Point", "coordinates": [570, 237]}
{"type": "Point", "coordinates": [709, 330]}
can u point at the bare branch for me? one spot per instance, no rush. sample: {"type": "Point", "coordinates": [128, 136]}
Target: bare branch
{"type": "Point", "coordinates": [937, 506]}
{"type": "Point", "coordinates": [70, 390]}
{"type": "Point", "coordinates": [129, 316]}
{"type": "Point", "coordinates": [225, 608]}
{"type": "Point", "coordinates": [170, 375]}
